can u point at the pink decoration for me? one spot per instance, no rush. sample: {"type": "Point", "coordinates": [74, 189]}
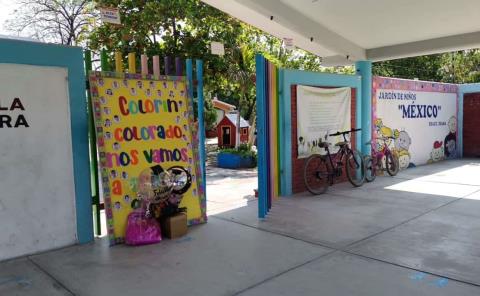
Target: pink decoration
{"type": "Point", "coordinates": [144, 61]}
{"type": "Point", "coordinates": [142, 230]}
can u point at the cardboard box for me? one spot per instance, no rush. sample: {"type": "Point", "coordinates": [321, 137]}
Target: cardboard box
{"type": "Point", "coordinates": [174, 226]}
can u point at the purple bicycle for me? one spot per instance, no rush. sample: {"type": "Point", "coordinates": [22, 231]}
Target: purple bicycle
{"type": "Point", "coordinates": [376, 162]}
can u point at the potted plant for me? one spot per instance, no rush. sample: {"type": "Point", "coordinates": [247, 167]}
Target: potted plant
{"type": "Point", "coordinates": [235, 158]}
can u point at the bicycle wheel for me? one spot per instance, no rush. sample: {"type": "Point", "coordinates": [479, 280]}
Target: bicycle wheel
{"type": "Point", "coordinates": [316, 174]}
{"type": "Point", "coordinates": [391, 163]}
{"type": "Point", "coordinates": [370, 170]}
{"type": "Point", "coordinates": [355, 168]}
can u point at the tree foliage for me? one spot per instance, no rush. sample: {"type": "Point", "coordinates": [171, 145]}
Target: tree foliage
{"type": "Point", "coordinates": [185, 28]}
{"type": "Point", "coordinates": [60, 21]}
{"type": "Point", "coordinates": [455, 67]}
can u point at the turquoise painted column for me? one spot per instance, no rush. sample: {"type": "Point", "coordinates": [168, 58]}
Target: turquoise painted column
{"type": "Point", "coordinates": [364, 69]}
{"type": "Point", "coordinates": [261, 138]}
{"type": "Point", "coordinates": [201, 122]}
{"type": "Point", "coordinates": [189, 67]}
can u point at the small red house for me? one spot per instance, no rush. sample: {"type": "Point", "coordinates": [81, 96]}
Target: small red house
{"type": "Point", "coordinates": [226, 131]}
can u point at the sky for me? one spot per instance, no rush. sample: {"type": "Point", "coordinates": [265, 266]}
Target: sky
{"type": "Point", "coordinates": [7, 8]}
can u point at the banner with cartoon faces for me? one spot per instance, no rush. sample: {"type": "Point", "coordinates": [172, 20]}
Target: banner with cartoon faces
{"type": "Point", "coordinates": [418, 120]}
{"type": "Point", "coordinates": [143, 123]}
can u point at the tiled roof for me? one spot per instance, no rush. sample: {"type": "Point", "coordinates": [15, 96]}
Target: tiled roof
{"type": "Point", "coordinates": [233, 119]}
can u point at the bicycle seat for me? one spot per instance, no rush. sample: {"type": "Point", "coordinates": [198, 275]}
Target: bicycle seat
{"type": "Point", "coordinates": [340, 144]}
{"type": "Point", "coordinates": [324, 144]}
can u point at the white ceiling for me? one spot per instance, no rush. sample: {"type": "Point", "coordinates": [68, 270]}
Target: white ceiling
{"type": "Point", "coordinates": [377, 23]}
{"type": "Point", "coordinates": [364, 29]}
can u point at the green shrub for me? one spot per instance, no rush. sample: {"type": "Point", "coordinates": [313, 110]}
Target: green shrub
{"type": "Point", "coordinates": [244, 150]}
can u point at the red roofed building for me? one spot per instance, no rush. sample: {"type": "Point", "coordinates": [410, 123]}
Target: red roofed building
{"type": "Point", "coordinates": [226, 131]}
{"type": "Point", "coordinates": [222, 108]}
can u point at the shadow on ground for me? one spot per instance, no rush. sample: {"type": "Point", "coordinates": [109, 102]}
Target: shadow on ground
{"type": "Point", "coordinates": [414, 234]}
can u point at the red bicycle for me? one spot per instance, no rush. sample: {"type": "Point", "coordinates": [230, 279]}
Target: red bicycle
{"type": "Point", "coordinates": [320, 171]}
{"type": "Point", "coordinates": [376, 163]}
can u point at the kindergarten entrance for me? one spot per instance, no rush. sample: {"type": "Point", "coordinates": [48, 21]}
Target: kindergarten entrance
{"type": "Point", "coordinates": [231, 166]}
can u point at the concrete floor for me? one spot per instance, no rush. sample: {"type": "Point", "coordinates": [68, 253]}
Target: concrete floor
{"type": "Point", "coordinates": [220, 182]}
{"type": "Point", "coordinates": [415, 234]}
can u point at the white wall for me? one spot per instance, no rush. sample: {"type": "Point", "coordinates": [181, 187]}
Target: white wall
{"type": "Point", "coordinates": [220, 114]}
{"type": "Point", "coordinates": [37, 198]}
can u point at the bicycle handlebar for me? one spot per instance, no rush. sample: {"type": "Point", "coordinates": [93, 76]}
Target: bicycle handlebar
{"type": "Point", "coordinates": [386, 138]}
{"type": "Point", "coordinates": [345, 132]}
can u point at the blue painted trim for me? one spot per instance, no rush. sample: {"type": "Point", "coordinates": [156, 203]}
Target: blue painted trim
{"type": "Point", "coordinates": [364, 69]}
{"type": "Point", "coordinates": [291, 77]}
{"type": "Point", "coordinates": [469, 88]}
{"type": "Point", "coordinates": [201, 122]}
{"type": "Point", "coordinates": [71, 58]}
{"type": "Point", "coordinates": [261, 135]}
{"type": "Point", "coordinates": [462, 90]}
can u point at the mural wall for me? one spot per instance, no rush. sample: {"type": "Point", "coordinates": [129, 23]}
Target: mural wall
{"type": "Point", "coordinates": [419, 118]}
{"type": "Point", "coordinates": [143, 123]}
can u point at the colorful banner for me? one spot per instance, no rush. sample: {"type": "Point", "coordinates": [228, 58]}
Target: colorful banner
{"type": "Point", "coordinates": [420, 116]}
{"type": "Point", "coordinates": [272, 106]}
{"type": "Point", "coordinates": [140, 123]}
{"type": "Point", "coordinates": [321, 112]}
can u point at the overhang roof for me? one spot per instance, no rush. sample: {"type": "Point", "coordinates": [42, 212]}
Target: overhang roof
{"type": "Point", "coordinates": [222, 105]}
{"type": "Point", "coordinates": [232, 117]}
{"type": "Point", "coordinates": [345, 31]}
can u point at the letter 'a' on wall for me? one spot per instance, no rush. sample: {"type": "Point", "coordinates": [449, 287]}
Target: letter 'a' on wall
{"type": "Point", "coordinates": [143, 123]}
{"type": "Point", "coordinates": [37, 203]}
{"type": "Point", "coordinates": [420, 116]}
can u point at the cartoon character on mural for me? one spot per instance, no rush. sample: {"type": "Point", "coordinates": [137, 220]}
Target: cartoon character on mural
{"type": "Point", "coordinates": [402, 141]}
{"type": "Point", "coordinates": [437, 153]}
{"type": "Point", "coordinates": [404, 160]}
{"type": "Point", "coordinates": [400, 144]}
{"type": "Point", "coordinates": [450, 142]}
{"type": "Point", "coordinates": [383, 131]}
{"type": "Point", "coordinates": [301, 146]}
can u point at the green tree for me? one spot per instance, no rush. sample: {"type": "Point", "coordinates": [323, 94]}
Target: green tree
{"type": "Point", "coordinates": [185, 28]}
{"type": "Point", "coordinates": [59, 21]}
{"type": "Point", "coordinates": [454, 67]}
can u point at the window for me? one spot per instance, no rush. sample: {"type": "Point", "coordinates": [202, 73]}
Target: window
{"type": "Point", "coordinates": [244, 130]}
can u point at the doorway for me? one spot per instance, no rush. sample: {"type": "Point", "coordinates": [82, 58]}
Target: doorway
{"type": "Point", "coordinates": [471, 123]}
{"type": "Point", "coordinates": [226, 136]}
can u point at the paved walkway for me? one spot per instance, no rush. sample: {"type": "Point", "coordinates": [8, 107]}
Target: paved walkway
{"type": "Point", "coordinates": [229, 189]}
{"type": "Point", "coordinates": [415, 234]}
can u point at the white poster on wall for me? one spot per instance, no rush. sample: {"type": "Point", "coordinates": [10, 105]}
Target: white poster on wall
{"type": "Point", "coordinates": [37, 200]}
{"type": "Point", "coordinates": [320, 112]}
{"type": "Point", "coordinates": [422, 123]}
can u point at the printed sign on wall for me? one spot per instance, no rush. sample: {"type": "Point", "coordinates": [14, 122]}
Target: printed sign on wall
{"type": "Point", "coordinates": [320, 112]}
{"type": "Point", "coordinates": [420, 116]}
{"type": "Point", "coordinates": [142, 123]}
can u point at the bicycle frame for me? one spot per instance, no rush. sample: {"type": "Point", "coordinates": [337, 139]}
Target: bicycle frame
{"type": "Point", "coordinates": [378, 155]}
{"type": "Point", "coordinates": [326, 171]}
{"type": "Point", "coordinates": [338, 158]}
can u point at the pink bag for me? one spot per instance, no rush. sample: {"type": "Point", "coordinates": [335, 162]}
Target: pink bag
{"type": "Point", "coordinates": [142, 230]}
